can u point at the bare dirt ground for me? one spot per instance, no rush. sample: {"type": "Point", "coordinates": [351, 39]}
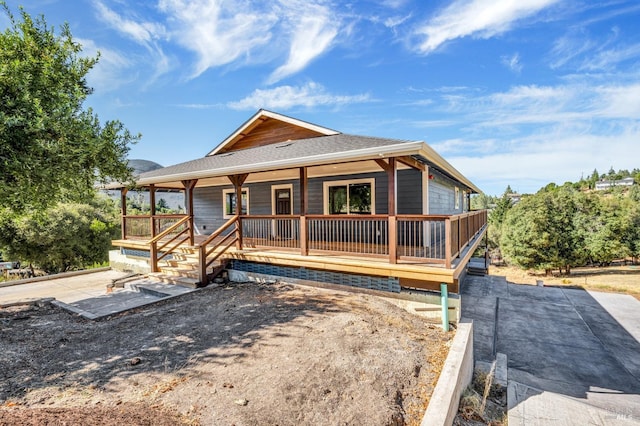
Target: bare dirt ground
{"type": "Point", "coordinates": [241, 354]}
{"type": "Point", "coordinates": [616, 279]}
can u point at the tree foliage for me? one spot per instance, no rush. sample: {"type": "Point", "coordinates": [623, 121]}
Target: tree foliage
{"type": "Point", "coordinates": [561, 227]}
{"type": "Point", "coordinates": [51, 148]}
{"type": "Point", "coordinates": [60, 238]}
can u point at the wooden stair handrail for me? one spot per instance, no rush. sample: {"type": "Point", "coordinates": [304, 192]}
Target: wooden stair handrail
{"type": "Point", "coordinates": [169, 230]}
{"type": "Point", "coordinates": [219, 231]}
{"type": "Point", "coordinates": [202, 247]}
{"type": "Point", "coordinates": [153, 243]}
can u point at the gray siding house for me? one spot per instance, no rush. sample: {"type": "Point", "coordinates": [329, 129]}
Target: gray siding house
{"type": "Point", "coordinates": [286, 193]}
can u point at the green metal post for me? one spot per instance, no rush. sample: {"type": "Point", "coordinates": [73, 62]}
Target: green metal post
{"type": "Point", "coordinates": [444, 301]}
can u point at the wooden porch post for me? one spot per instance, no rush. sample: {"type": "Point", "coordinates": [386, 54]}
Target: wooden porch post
{"type": "Point", "coordinates": [304, 202]}
{"type": "Point", "coordinates": [393, 221]}
{"type": "Point", "coordinates": [447, 242]}
{"type": "Point", "coordinates": [123, 212]}
{"type": "Point", "coordinates": [238, 181]}
{"type": "Point", "coordinates": [188, 193]}
{"type": "Point", "coordinates": [152, 209]}
{"type": "Point", "coordinates": [391, 168]}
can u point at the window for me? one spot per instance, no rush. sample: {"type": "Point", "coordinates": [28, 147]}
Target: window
{"type": "Point", "coordinates": [457, 199]}
{"type": "Point", "coordinates": [229, 202]}
{"type": "Point", "coordinates": [349, 197]}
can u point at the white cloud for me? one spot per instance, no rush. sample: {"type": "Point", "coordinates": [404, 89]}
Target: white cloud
{"type": "Point", "coordinates": [531, 162]}
{"type": "Point", "coordinates": [112, 69]}
{"type": "Point", "coordinates": [285, 97]}
{"type": "Point", "coordinates": [218, 32]}
{"type": "Point", "coordinates": [512, 62]}
{"type": "Point", "coordinates": [140, 32]}
{"type": "Point", "coordinates": [147, 34]}
{"type": "Point", "coordinates": [314, 31]}
{"type": "Point", "coordinates": [478, 18]}
{"type": "Point", "coordinates": [530, 135]}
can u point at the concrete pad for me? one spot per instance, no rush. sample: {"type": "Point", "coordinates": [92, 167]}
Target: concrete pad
{"type": "Point", "coordinates": [544, 324]}
{"type": "Point", "coordinates": [66, 289]}
{"type": "Point", "coordinates": [532, 407]}
{"type": "Point", "coordinates": [531, 293]}
{"type": "Point", "coordinates": [575, 354]}
{"type": "Point", "coordinates": [623, 308]}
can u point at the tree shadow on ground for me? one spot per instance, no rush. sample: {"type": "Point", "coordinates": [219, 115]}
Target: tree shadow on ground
{"type": "Point", "coordinates": [46, 346]}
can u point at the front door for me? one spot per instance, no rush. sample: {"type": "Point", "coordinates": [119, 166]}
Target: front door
{"type": "Point", "coordinates": [283, 207]}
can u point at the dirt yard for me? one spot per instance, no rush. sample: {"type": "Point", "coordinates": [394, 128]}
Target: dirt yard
{"type": "Point", "coordinates": [241, 354]}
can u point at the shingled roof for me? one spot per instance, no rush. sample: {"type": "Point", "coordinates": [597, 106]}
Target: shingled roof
{"type": "Point", "coordinates": [270, 142]}
{"type": "Point", "coordinates": [315, 151]}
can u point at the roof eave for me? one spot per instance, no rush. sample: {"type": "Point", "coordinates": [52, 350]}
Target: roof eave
{"type": "Point", "coordinates": [397, 150]}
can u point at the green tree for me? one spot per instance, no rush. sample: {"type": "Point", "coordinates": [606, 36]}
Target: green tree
{"type": "Point", "coordinates": [61, 238]}
{"type": "Point", "coordinates": [482, 201]}
{"type": "Point", "coordinates": [539, 232]}
{"type": "Point", "coordinates": [51, 148]}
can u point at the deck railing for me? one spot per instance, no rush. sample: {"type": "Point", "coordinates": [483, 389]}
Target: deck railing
{"type": "Point", "coordinates": [147, 226]}
{"type": "Point", "coordinates": [354, 234]}
{"type": "Point", "coordinates": [409, 238]}
{"type": "Point", "coordinates": [418, 238]}
{"type": "Point", "coordinates": [282, 232]}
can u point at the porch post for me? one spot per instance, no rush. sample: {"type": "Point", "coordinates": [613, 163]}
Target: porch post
{"type": "Point", "coordinates": [188, 205]}
{"type": "Point", "coordinates": [123, 212]}
{"type": "Point", "coordinates": [392, 207]}
{"type": "Point", "coordinates": [238, 181]}
{"type": "Point", "coordinates": [152, 209]}
{"type": "Point", "coordinates": [447, 242]}
{"type": "Point", "coordinates": [304, 202]}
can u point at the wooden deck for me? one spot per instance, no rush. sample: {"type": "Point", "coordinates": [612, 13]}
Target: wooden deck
{"type": "Point", "coordinates": [411, 273]}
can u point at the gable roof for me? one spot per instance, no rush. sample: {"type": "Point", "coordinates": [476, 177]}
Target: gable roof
{"type": "Point", "coordinates": [254, 132]}
{"type": "Point", "coordinates": [315, 151]}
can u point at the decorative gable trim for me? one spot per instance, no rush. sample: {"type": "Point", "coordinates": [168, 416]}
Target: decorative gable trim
{"type": "Point", "coordinates": [257, 119]}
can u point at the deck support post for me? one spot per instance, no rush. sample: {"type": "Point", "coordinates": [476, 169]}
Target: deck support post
{"type": "Point", "coordinates": [152, 209]}
{"type": "Point", "coordinates": [188, 202]}
{"type": "Point", "coordinates": [444, 301]}
{"type": "Point", "coordinates": [304, 202]}
{"type": "Point", "coordinates": [123, 212]}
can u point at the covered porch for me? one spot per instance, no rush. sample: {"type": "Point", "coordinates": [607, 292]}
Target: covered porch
{"type": "Point", "coordinates": [422, 251]}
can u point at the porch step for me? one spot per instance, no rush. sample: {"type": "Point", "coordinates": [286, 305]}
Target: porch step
{"type": "Point", "coordinates": [175, 279]}
{"type": "Point", "coordinates": [477, 267]}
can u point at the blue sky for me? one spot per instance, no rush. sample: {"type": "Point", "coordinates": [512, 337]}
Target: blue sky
{"type": "Point", "coordinates": [517, 93]}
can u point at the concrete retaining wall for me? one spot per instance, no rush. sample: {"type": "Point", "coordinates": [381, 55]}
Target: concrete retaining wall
{"type": "Point", "coordinates": [456, 375]}
{"type": "Point", "coordinates": [123, 263]}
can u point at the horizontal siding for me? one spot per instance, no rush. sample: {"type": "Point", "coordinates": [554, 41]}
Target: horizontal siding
{"type": "Point", "coordinates": [208, 202]}
{"type": "Point", "coordinates": [442, 195]}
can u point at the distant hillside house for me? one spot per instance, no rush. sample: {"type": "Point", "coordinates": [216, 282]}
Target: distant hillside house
{"type": "Point", "coordinates": [606, 184]}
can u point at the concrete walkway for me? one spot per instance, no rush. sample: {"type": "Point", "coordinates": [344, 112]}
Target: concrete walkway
{"type": "Point", "coordinates": [573, 356]}
{"type": "Point", "coordinates": [67, 289]}
{"type": "Point", "coordinates": [87, 295]}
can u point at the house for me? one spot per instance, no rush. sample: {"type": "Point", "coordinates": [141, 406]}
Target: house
{"type": "Point", "coordinates": [607, 184]}
{"type": "Point", "coordinates": [282, 196]}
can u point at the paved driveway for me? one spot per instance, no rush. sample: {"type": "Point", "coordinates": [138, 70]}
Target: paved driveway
{"type": "Point", "coordinates": [573, 356]}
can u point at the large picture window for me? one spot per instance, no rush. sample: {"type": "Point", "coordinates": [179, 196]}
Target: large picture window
{"type": "Point", "coordinates": [229, 202]}
{"type": "Point", "coordinates": [349, 197]}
